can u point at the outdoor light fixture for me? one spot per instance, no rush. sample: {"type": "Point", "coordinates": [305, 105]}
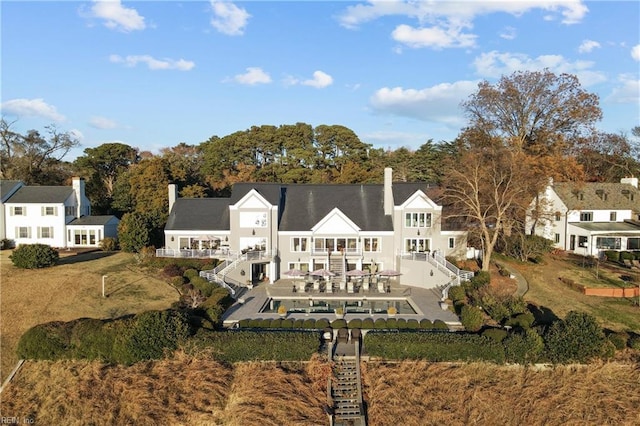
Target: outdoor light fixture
{"type": "Point", "coordinates": [253, 232]}
{"type": "Point", "coordinates": [418, 232]}
{"type": "Point", "coordinates": [242, 272]}
{"type": "Point", "coordinates": [172, 239]}
{"type": "Point", "coordinates": [431, 273]}
{"type": "Point", "coordinates": [226, 238]}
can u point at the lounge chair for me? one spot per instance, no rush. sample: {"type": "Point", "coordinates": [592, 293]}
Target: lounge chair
{"type": "Point", "coordinates": [329, 288]}
{"type": "Point", "coordinates": [349, 287]}
{"type": "Point", "coordinates": [365, 284]}
{"type": "Point", "coordinates": [316, 285]}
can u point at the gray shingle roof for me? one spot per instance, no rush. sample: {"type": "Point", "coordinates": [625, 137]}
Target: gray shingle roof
{"type": "Point", "coordinates": [41, 194]}
{"type": "Point", "coordinates": [199, 214]}
{"type": "Point", "coordinates": [306, 205]}
{"type": "Point", "coordinates": [6, 186]}
{"type": "Point", "coordinates": [598, 196]}
{"type": "Point", "coordinates": [270, 191]}
{"type": "Point", "coordinates": [93, 220]}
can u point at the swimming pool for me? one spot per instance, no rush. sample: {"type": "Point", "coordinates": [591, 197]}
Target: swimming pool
{"type": "Point", "coordinates": [306, 306]}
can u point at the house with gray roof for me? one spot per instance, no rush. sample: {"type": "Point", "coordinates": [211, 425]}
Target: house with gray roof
{"type": "Point", "coordinates": [59, 216]}
{"type": "Point", "coordinates": [309, 227]}
{"type": "Point", "coordinates": [588, 218]}
{"type": "Point", "coordinates": [7, 189]}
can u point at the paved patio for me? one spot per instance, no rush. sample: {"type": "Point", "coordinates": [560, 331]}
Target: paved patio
{"type": "Point", "coordinates": [425, 302]}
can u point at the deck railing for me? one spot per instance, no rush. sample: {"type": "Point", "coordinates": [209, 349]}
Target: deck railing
{"type": "Point", "coordinates": [195, 253]}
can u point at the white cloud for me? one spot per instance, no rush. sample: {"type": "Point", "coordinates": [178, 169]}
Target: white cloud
{"type": "Point", "coordinates": [435, 37]}
{"type": "Point", "coordinates": [496, 64]}
{"type": "Point", "coordinates": [116, 16]}
{"type": "Point", "coordinates": [228, 18]}
{"type": "Point", "coordinates": [572, 11]}
{"type": "Point", "coordinates": [635, 52]}
{"type": "Point", "coordinates": [153, 63]}
{"type": "Point", "coordinates": [440, 103]}
{"type": "Point", "coordinates": [627, 92]}
{"type": "Point", "coordinates": [320, 80]}
{"type": "Point", "coordinates": [102, 123]}
{"type": "Point", "coordinates": [509, 33]}
{"type": "Point", "coordinates": [587, 46]}
{"type": "Point", "coordinates": [32, 108]}
{"type": "Point", "coordinates": [440, 23]}
{"type": "Point", "coordinates": [253, 76]}
{"type": "Point", "coordinates": [77, 134]}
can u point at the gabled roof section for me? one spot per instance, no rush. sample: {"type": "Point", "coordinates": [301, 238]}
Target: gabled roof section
{"type": "Point", "coordinates": [598, 196]}
{"type": "Point", "coordinates": [7, 187]}
{"type": "Point", "coordinates": [197, 214]}
{"type": "Point", "coordinates": [252, 200]}
{"type": "Point", "coordinates": [41, 195]}
{"type": "Point", "coordinates": [420, 200]}
{"type": "Point", "coordinates": [306, 205]}
{"type": "Point", "coordinates": [93, 220]}
{"type": "Point", "coordinates": [402, 191]}
{"type": "Point", "coordinates": [270, 191]}
{"type": "Point", "coordinates": [336, 222]}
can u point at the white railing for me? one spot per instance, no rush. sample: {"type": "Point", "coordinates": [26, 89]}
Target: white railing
{"type": "Point", "coordinates": [220, 272]}
{"type": "Point", "coordinates": [195, 253]}
{"type": "Point", "coordinates": [347, 251]}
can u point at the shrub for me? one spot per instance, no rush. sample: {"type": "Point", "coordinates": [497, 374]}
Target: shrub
{"type": "Point", "coordinates": [521, 320]}
{"type": "Point", "coordinates": [413, 324]}
{"type": "Point", "coordinates": [338, 323]}
{"type": "Point", "coordinates": [626, 255]}
{"type": "Point", "coordinates": [578, 338]}
{"type": "Point", "coordinates": [523, 348]}
{"type": "Point", "coordinates": [109, 244]}
{"type": "Point", "coordinates": [368, 323]}
{"type": "Point", "coordinates": [481, 279]}
{"type": "Point", "coordinates": [612, 255]}
{"type": "Point", "coordinates": [134, 231]}
{"type": "Point", "coordinates": [355, 323]}
{"type": "Point", "coordinates": [205, 287]}
{"type": "Point", "coordinates": [440, 325]}
{"type": "Point", "coordinates": [322, 323]}
{"type": "Point", "coordinates": [392, 323]}
{"type": "Point", "coordinates": [34, 256]}
{"type": "Point", "coordinates": [497, 334]}
{"type": "Point", "coordinates": [286, 323]}
{"type": "Point", "coordinates": [6, 244]}
{"type": "Point", "coordinates": [244, 323]}
{"type": "Point", "coordinates": [43, 341]}
{"type": "Point", "coordinates": [156, 331]}
{"type": "Point", "coordinates": [380, 324]}
{"type": "Point", "coordinates": [191, 273]}
{"type": "Point", "coordinates": [619, 340]}
{"type": "Point", "coordinates": [426, 324]}
{"type": "Point", "coordinates": [265, 323]}
{"type": "Point", "coordinates": [275, 323]}
{"type": "Point", "coordinates": [456, 294]}
{"type": "Point", "coordinates": [309, 324]}
{"type": "Point", "coordinates": [471, 318]}
{"type": "Point", "coordinates": [282, 310]}
{"type": "Point", "coordinates": [401, 323]}
{"type": "Point", "coordinates": [391, 310]}
{"type": "Point", "coordinates": [634, 342]}
{"type": "Point", "coordinates": [299, 323]}
{"type": "Point", "coordinates": [172, 270]}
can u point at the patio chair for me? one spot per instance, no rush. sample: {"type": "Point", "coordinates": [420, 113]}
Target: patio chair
{"type": "Point", "coordinates": [365, 284]}
{"type": "Point", "coordinates": [303, 287]}
{"type": "Point", "coordinates": [343, 285]}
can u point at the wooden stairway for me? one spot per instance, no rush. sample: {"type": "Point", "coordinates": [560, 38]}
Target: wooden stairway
{"type": "Point", "coordinates": [346, 388]}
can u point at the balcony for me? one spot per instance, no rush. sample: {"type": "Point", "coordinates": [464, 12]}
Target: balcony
{"type": "Point", "coordinates": [221, 253]}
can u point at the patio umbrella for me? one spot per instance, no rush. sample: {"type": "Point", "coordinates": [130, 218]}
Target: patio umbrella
{"type": "Point", "coordinates": [389, 273]}
{"type": "Point", "coordinates": [357, 273]}
{"type": "Point", "coordinates": [322, 273]}
{"type": "Point", "coordinates": [295, 273]}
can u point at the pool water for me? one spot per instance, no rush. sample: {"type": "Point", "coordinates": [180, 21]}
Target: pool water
{"type": "Point", "coordinates": [305, 306]}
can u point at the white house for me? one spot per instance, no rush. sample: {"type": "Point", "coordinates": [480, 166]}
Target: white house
{"type": "Point", "coordinates": [58, 216]}
{"type": "Point", "coordinates": [587, 218]}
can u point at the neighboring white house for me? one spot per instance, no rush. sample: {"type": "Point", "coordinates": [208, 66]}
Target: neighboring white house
{"type": "Point", "coordinates": [7, 189]}
{"type": "Point", "coordinates": [587, 218]}
{"type": "Point", "coordinates": [58, 216]}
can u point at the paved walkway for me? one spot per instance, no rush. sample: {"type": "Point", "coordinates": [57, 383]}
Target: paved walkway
{"type": "Point", "coordinates": [424, 301]}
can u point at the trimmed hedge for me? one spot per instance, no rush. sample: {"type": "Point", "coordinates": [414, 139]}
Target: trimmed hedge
{"type": "Point", "coordinates": [244, 345]}
{"type": "Point", "coordinates": [433, 346]}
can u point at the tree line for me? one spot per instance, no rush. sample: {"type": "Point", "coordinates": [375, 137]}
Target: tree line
{"type": "Point", "coordinates": [526, 128]}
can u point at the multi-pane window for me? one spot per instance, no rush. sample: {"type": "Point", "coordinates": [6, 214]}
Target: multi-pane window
{"type": "Point", "coordinates": [69, 211]}
{"type": "Point", "coordinates": [417, 244]}
{"type": "Point", "coordinates": [558, 216]}
{"type": "Point", "coordinates": [633, 243]}
{"type": "Point", "coordinates": [49, 211]}
{"type": "Point", "coordinates": [417, 220]}
{"type": "Point", "coordinates": [371, 244]}
{"type": "Point", "coordinates": [23, 232]}
{"type": "Point", "coordinates": [452, 242]}
{"type": "Point", "coordinates": [582, 241]}
{"type": "Point", "coordinates": [557, 238]}
{"type": "Point", "coordinates": [18, 211]}
{"type": "Point", "coordinates": [608, 243]}
{"type": "Point", "coordinates": [299, 244]}
{"type": "Point", "coordinates": [45, 232]}
{"type": "Point", "coordinates": [613, 216]}
{"type": "Point", "coordinates": [586, 216]}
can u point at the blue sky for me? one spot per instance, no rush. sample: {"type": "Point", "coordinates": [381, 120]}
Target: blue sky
{"type": "Point", "coordinates": [152, 74]}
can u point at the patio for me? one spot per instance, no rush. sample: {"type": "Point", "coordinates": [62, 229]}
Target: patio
{"type": "Point", "coordinates": [424, 303]}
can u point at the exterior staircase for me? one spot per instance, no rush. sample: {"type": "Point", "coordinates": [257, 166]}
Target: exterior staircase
{"type": "Point", "coordinates": [345, 390]}
{"type": "Point", "coordinates": [338, 265]}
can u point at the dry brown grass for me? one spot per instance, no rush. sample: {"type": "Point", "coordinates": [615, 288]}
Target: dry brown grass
{"type": "Point", "coordinates": [422, 393]}
{"type": "Point", "coordinates": [72, 290]}
{"type": "Point", "coordinates": [183, 390]}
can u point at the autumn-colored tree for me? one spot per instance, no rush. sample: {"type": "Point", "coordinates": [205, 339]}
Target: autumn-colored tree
{"type": "Point", "coordinates": [490, 189]}
{"type": "Point", "coordinates": [607, 157]}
